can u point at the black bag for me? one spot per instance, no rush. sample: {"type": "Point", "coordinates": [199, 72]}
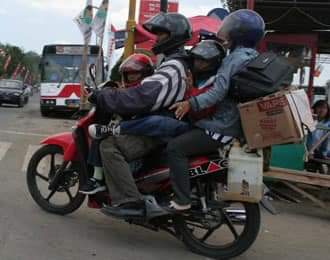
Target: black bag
{"type": "Point", "coordinates": [264, 75]}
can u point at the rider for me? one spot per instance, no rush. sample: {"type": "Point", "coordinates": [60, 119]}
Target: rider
{"type": "Point", "coordinates": [206, 59]}
{"type": "Point", "coordinates": [240, 32]}
{"type": "Point", "coordinates": [157, 92]}
{"type": "Point", "coordinates": [132, 70]}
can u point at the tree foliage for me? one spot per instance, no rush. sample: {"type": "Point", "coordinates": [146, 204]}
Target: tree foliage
{"type": "Point", "coordinates": [30, 60]}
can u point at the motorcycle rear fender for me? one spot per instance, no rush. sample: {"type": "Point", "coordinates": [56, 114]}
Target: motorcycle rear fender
{"type": "Point", "coordinates": [66, 142]}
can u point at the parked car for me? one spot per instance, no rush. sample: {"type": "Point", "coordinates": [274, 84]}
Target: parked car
{"type": "Point", "coordinates": [13, 92]}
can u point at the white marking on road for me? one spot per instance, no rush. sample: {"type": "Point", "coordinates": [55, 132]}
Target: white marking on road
{"type": "Point", "coordinates": [4, 147]}
{"type": "Point", "coordinates": [30, 151]}
{"type": "Point", "coordinates": [22, 133]}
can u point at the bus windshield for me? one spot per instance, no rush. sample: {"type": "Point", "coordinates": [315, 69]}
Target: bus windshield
{"type": "Point", "coordinates": [63, 68]}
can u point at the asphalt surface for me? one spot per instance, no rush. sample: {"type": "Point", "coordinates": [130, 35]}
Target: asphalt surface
{"type": "Point", "coordinates": [300, 231]}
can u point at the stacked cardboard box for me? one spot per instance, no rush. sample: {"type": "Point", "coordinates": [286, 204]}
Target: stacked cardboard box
{"type": "Point", "coordinates": [276, 119]}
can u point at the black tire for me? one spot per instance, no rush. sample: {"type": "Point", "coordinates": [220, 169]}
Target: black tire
{"type": "Point", "coordinates": [68, 208]}
{"type": "Point", "coordinates": [245, 240]}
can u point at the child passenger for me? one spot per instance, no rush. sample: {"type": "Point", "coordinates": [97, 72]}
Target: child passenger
{"type": "Point", "coordinates": [133, 70]}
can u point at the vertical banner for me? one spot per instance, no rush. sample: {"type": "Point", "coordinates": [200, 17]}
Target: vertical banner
{"type": "Point", "coordinates": [100, 19]}
{"type": "Point", "coordinates": [84, 21]}
{"type": "Point", "coordinates": [6, 64]}
{"type": "Point", "coordinates": [26, 76]}
{"type": "Point", "coordinates": [2, 53]}
{"type": "Point", "coordinates": [16, 71]}
{"type": "Point", "coordinates": [110, 48]}
{"type": "Point", "coordinates": [98, 26]}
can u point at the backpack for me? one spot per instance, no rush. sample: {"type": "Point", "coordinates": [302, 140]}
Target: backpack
{"type": "Point", "coordinates": [264, 75]}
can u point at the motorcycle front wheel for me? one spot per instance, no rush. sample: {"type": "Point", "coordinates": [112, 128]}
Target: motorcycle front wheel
{"type": "Point", "coordinates": [222, 233]}
{"type": "Point", "coordinates": [43, 166]}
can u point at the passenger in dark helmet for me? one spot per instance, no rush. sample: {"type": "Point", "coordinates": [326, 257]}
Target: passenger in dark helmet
{"type": "Point", "coordinates": [156, 93]}
{"type": "Point", "coordinates": [240, 32]}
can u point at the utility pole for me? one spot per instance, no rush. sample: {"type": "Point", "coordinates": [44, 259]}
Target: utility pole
{"type": "Point", "coordinates": [163, 5]}
{"type": "Point", "coordinates": [131, 24]}
{"type": "Point", "coordinates": [250, 4]}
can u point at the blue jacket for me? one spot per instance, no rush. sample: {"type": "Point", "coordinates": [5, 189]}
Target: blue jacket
{"type": "Point", "coordinates": [226, 120]}
{"type": "Point", "coordinates": [323, 151]}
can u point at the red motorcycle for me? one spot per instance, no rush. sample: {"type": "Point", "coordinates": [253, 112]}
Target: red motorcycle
{"type": "Point", "coordinates": [212, 227]}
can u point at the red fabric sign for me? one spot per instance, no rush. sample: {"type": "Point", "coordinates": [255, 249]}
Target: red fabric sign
{"type": "Point", "coordinates": [149, 8]}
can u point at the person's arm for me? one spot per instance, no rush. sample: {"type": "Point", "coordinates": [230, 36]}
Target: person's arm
{"type": "Point", "coordinates": [128, 102]}
{"type": "Point", "coordinates": [155, 92]}
{"type": "Point", "coordinates": [219, 90]}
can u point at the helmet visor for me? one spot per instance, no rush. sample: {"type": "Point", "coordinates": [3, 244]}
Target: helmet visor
{"type": "Point", "coordinates": [156, 24]}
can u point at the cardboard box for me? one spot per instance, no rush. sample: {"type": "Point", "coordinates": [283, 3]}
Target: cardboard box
{"type": "Point", "coordinates": [276, 119]}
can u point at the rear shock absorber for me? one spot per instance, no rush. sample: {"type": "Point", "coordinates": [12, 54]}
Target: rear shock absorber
{"type": "Point", "coordinates": [202, 194]}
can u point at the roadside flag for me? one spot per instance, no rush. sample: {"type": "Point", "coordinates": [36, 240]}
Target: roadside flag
{"type": "Point", "coordinates": [21, 71]}
{"type": "Point", "coordinates": [100, 19]}
{"type": "Point", "coordinates": [84, 21]}
{"type": "Point", "coordinates": [6, 64]}
{"type": "Point", "coordinates": [2, 53]}
{"type": "Point", "coordinates": [16, 71]}
{"type": "Point", "coordinates": [111, 45]}
{"type": "Point", "coordinates": [26, 75]}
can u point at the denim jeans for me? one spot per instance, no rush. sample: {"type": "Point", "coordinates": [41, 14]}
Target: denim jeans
{"type": "Point", "coordinates": [154, 126]}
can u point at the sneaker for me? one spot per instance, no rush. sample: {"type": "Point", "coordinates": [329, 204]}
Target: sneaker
{"type": "Point", "coordinates": [92, 186]}
{"type": "Point", "coordinates": [97, 131]}
{"type": "Point", "coordinates": [174, 207]}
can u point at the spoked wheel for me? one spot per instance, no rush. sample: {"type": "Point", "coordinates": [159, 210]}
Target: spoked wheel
{"type": "Point", "coordinates": [64, 197]}
{"type": "Point", "coordinates": [222, 232]}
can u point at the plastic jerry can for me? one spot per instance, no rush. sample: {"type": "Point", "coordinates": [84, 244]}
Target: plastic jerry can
{"type": "Point", "coordinates": [245, 175]}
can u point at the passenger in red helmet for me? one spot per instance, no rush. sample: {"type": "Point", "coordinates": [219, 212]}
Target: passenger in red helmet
{"type": "Point", "coordinates": [132, 70]}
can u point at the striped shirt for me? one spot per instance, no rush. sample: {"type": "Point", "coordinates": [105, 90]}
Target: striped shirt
{"type": "Point", "coordinates": [162, 89]}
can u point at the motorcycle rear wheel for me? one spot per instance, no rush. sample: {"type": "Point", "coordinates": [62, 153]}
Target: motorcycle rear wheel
{"type": "Point", "coordinates": [73, 178]}
{"type": "Point", "coordinates": [243, 241]}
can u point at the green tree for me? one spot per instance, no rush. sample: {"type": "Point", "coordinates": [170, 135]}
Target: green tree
{"type": "Point", "coordinates": [30, 60]}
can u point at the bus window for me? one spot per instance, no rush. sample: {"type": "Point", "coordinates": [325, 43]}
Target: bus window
{"type": "Point", "coordinates": [63, 68]}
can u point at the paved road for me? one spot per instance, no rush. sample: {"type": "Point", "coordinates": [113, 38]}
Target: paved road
{"type": "Point", "coordinates": [26, 232]}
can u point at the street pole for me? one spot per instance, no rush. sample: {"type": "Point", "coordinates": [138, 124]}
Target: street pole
{"type": "Point", "coordinates": [163, 5]}
{"type": "Point", "coordinates": [250, 4]}
{"type": "Point", "coordinates": [83, 71]}
{"type": "Point", "coordinates": [131, 24]}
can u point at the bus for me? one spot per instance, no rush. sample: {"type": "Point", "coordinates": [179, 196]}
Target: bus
{"type": "Point", "coordinates": [60, 76]}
